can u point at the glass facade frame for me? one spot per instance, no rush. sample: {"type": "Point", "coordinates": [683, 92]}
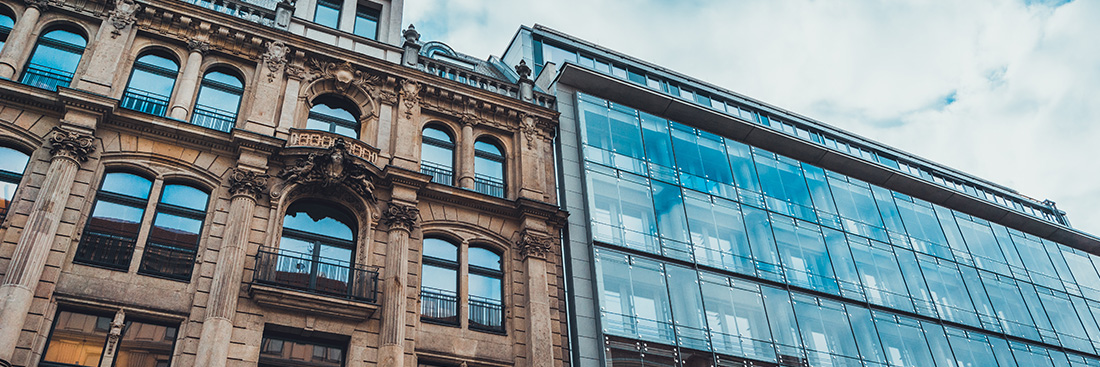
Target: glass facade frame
{"type": "Point", "coordinates": [846, 273]}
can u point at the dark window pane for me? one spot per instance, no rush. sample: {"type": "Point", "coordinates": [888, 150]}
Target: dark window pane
{"type": "Point", "coordinates": [184, 196]}
{"type": "Point", "coordinates": [145, 345]}
{"type": "Point", "coordinates": [127, 184]}
{"type": "Point", "coordinates": [320, 219]}
{"type": "Point", "coordinates": [440, 249]}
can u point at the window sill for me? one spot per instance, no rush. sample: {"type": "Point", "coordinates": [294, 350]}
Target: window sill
{"type": "Point", "coordinates": [311, 303]}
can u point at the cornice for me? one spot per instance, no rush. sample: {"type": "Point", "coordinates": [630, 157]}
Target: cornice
{"type": "Point", "coordinates": [89, 102]}
{"type": "Point", "coordinates": [26, 95]}
{"type": "Point", "coordinates": [399, 176]}
{"type": "Point", "coordinates": [175, 130]}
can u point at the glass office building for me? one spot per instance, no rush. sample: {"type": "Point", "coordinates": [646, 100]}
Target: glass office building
{"type": "Point", "coordinates": [695, 243]}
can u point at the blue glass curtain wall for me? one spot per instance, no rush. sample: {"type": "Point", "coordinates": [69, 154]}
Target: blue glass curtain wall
{"type": "Point", "coordinates": [665, 189]}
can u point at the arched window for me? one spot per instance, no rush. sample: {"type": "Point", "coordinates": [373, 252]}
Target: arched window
{"type": "Point", "coordinates": [6, 24]}
{"type": "Point", "coordinates": [174, 237]}
{"type": "Point", "coordinates": [437, 155]}
{"type": "Point", "coordinates": [439, 282]}
{"type": "Point", "coordinates": [334, 114]}
{"type": "Point", "coordinates": [12, 165]}
{"type": "Point", "coordinates": [108, 240]}
{"type": "Point", "coordinates": [488, 168]}
{"type": "Point", "coordinates": [151, 83]}
{"type": "Point", "coordinates": [315, 253]}
{"type": "Point", "coordinates": [218, 101]}
{"type": "Point", "coordinates": [486, 306]}
{"type": "Point", "coordinates": [54, 59]}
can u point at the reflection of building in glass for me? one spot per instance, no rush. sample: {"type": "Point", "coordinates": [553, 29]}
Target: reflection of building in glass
{"type": "Point", "coordinates": [711, 229]}
{"type": "Point", "coordinates": [269, 183]}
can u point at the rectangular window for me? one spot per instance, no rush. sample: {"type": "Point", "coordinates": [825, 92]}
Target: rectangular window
{"type": "Point", "coordinates": [328, 13]}
{"type": "Point", "coordinates": [78, 339]}
{"type": "Point", "coordinates": [304, 349]}
{"type": "Point", "coordinates": [366, 21]}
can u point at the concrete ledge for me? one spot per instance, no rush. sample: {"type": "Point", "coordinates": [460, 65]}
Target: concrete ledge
{"type": "Point", "coordinates": [299, 301]}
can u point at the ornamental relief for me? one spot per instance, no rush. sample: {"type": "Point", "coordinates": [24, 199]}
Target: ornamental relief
{"type": "Point", "coordinates": [333, 166]}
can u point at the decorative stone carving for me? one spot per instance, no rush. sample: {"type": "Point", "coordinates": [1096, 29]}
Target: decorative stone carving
{"type": "Point", "coordinates": [332, 167]}
{"type": "Point", "coordinates": [534, 245]}
{"type": "Point", "coordinates": [41, 5]}
{"type": "Point", "coordinates": [116, 333]}
{"type": "Point", "coordinates": [523, 70]}
{"type": "Point", "coordinates": [527, 125]}
{"type": "Point", "coordinates": [388, 97]}
{"type": "Point", "coordinates": [410, 94]}
{"type": "Point", "coordinates": [469, 119]}
{"type": "Point", "coordinates": [71, 145]}
{"type": "Point", "coordinates": [344, 74]}
{"type": "Point", "coordinates": [295, 71]}
{"type": "Point", "coordinates": [122, 16]}
{"type": "Point", "coordinates": [411, 35]}
{"type": "Point", "coordinates": [274, 58]}
{"type": "Point", "coordinates": [400, 216]}
{"type": "Point", "coordinates": [249, 183]}
{"type": "Point", "coordinates": [197, 45]}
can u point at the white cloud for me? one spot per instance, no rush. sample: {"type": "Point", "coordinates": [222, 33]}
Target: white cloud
{"type": "Point", "coordinates": [1025, 77]}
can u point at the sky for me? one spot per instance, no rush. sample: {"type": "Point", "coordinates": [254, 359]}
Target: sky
{"type": "Point", "coordinates": [1005, 90]}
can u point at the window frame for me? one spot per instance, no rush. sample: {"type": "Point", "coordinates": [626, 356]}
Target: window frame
{"type": "Point", "coordinates": [138, 65]}
{"type": "Point", "coordinates": [357, 275]}
{"type": "Point", "coordinates": [141, 239]}
{"type": "Point", "coordinates": [446, 264]}
{"type": "Point", "coordinates": [463, 269]}
{"type": "Point", "coordinates": [497, 274]}
{"type": "Point", "coordinates": [333, 122]}
{"type": "Point", "coordinates": [228, 117]}
{"type": "Point", "coordinates": [128, 320]}
{"type": "Point", "coordinates": [376, 12]}
{"type": "Point", "coordinates": [435, 169]}
{"type": "Point", "coordinates": [339, 7]}
{"type": "Point", "coordinates": [486, 184]}
{"type": "Point", "coordinates": [62, 46]}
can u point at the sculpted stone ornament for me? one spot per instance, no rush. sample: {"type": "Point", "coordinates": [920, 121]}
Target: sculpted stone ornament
{"type": "Point", "coordinates": [523, 70]}
{"type": "Point", "coordinates": [71, 144]}
{"type": "Point", "coordinates": [529, 131]}
{"type": "Point", "coordinates": [411, 35]}
{"type": "Point", "coordinates": [410, 93]}
{"type": "Point", "coordinates": [197, 45]}
{"type": "Point", "coordinates": [400, 216]}
{"type": "Point", "coordinates": [274, 58]}
{"type": "Point", "coordinates": [534, 245]}
{"type": "Point", "coordinates": [334, 166]}
{"type": "Point", "coordinates": [345, 75]}
{"type": "Point", "coordinates": [122, 16]}
{"type": "Point", "coordinates": [41, 5]}
{"type": "Point", "coordinates": [116, 333]}
{"type": "Point", "coordinates": [244, 182]}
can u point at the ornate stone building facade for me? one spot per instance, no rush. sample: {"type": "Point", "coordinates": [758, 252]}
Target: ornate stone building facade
{"type": "Point", "coordinates": [208, 185]}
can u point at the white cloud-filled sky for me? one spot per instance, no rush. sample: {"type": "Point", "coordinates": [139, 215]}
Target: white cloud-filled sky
{"type": "Point", "coordinates": [1008, 91]}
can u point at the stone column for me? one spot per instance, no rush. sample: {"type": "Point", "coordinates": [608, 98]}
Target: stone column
{"type": "Point", "coordinates": [103, 64]}
{"type": "Point", "coordinates": [466, 154]}
{"type": "Point", "coordinates": [185, 94]}
{"type": "Point", "coordinates": [69, 150]}
{"type": "Point", "coordinates": [534, 248]}
{"type": "Point", "coordinates": [408, 107]}
{"type": "Point", "coordinates": [401, 219]}
{"type": "Point", "coordinates": [217, 328]}
{"type": "Point", "coordinates": [20, 37]}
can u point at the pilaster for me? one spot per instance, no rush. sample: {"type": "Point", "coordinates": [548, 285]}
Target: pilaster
{"type": "Point", "coordinates": [400, 220]}
{"type": "Point", "coordinates": [20, 37]}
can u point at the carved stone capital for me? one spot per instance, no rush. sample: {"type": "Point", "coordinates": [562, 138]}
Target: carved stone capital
{"type": "Point", "coordinates": [72, 145]}
{"type": "Point", "coordinates": [247, 183]}
{"type": "Point", "coordinates": [534, 245]}
{"type": "Point", "coordinates": [400, 216]}
{"type": "Point", "coordinates": [41, 5]}
{"type": "Point", "coordinates": [469, 119]}
{"type": "Point", "coordinates": [197, 45]}
{"type": "Point", "coordinates": [123, 16]}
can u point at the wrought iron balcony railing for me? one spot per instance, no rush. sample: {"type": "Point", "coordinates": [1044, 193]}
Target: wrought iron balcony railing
{"type": "Point", "coordinates": [489, 186]}
{"type": "Point", "coordinates": [213, 118]}
{"type": "Point", "coordinates": [318, 275]}
{"type": "Point", "coordinates": [144, 101]}
{"type": "Point", "coordinates": [46, 77]}
{"type": "Point", "coordinates": [271, 13]}
{"type": "Point", "coordinates": [486, 314]}
{"type": "Point", "coordinates": [438, 306]}
{"type": "Point", "coordinates": [440, 174]}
